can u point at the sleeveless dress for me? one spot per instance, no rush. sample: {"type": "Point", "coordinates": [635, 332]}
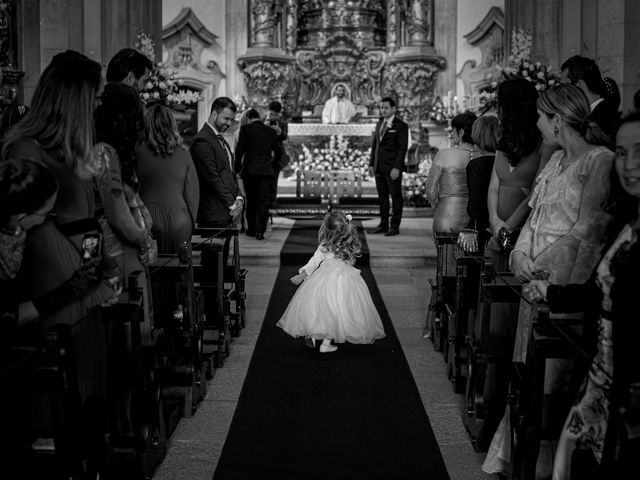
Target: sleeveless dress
{"type": "Point", "coordinates": [447, 190]}
{"type": "Point", "coordinates": [333, 302]}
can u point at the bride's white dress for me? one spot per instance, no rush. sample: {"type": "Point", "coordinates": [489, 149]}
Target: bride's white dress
{"type": "Point", "coordinates": [333, 303]}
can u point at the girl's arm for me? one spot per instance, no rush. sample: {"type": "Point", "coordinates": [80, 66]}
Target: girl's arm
{"type": "Point", "coordinates": [314, 262]}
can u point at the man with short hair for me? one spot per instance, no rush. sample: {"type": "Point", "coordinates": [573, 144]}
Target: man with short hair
{"type": "Point", "coordinates": [274, 120]}
{"type": "Point", "coordinates": [338, 109]}
{"type": "Point", "coordinates": [221, 201]}
{"type": "Point", "coordinates": [131, 67]}
{"type": "Point", "coordinates": [584, 73]}
{"type": "Point", "coordinates": [390, 143]}
{"type": "Point", "coordinates": [257, 152]}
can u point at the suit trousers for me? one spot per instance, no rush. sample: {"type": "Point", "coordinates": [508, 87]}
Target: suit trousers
{"type": "Point", "coordinates": [259, 197]}
{"type": "Point", "coordinates": [274, 187]}
{"type": "Point", "coordinates": [387, 187]}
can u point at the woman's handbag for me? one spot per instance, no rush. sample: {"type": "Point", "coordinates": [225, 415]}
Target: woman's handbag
{"type": "Point", "coordinates": [468, 240]}
{"type": "Point", "coordinates": [507, 240]}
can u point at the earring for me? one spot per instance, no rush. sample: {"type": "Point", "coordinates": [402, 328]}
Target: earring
{"type": "Point", "coordinates": [556, 132]}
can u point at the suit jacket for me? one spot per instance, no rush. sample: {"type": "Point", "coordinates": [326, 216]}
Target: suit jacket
{"type": "Point", "coordinates": [390, 151]}
{"type": "Point", "coordinates": [258, 150]}
{"type": "Point", "coordinates": [218, 184]}
{"type": "Point", "coordinates": [606, 116]}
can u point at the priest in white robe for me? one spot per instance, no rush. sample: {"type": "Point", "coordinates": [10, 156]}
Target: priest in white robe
{"type": "Point", "coordinates": [338, 109]}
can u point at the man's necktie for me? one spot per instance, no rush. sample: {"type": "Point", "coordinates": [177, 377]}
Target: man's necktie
{"type": "Point", "coordinates": [383, 129]}
{"type": "Point", "coordinates": [227, 149]}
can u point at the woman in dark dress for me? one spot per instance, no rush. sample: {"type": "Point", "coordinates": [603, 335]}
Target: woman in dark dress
{"type": "Point", "coordinates": [484, 134]}
{"type": "Point", "coordinates": [168, 180]}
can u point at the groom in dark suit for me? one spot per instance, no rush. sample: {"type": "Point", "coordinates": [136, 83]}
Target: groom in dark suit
{"type": "Point", "coordinates": [390, 143]}
{"type": "Point", "coordinates": [221, 201]}
{"type": "Point", "coordinates": [257, 153]}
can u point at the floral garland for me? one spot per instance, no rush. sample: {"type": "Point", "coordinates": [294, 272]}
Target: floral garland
{"type": "Point", "coordinates": [162, 85]}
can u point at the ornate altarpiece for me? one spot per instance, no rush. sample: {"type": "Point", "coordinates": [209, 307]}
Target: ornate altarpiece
{"type": "Point", "coordinates": [299, 50]}
{"type": "Point", "coordinates": [10, 74]}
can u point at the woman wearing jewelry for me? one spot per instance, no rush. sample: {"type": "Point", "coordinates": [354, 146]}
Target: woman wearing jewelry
{"type": "Point", "coordinates": [447, 180]}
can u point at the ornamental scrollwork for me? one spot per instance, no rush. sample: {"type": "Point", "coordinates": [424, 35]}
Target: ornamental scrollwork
{"type": "Point", "coordinates": [412, 83]}
{"type": "Point", "coordinates": [267, 80]}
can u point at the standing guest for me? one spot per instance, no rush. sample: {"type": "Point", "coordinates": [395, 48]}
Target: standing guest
{"type": "Point", "coordinates": [484, 135]}
{"type": "Point", "coordinates": [274, 120]}
{"type": "Point", "coordinates": [130, 67]}
{"type": "Point", "coordinates": [257, 153]}
{"type": "Point", "coordinates": [447, 181]}
{"type": "Point", "coordinates": [58, 132]}
{"type": "Point", "coordinates": [338, 109]}
{"type": "Point", "coordinates": [390, 143]}
{"type": "Point", "coordinates": [221, 201]}
{"type": "Point", "coordinates": [168, 180]}
{"type": "Point", "coordinates": [588, 420]}
{"type": "Point", "coordinates": [584, 73]}
{"type": "Point", "coordinates": [563, 233]}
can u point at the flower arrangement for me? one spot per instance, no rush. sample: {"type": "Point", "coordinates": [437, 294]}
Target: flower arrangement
{"type": "Point", "coordinates": [162, 84]}
{"type": "Point", "coordinates": [414, 185]}
{"type": "Point", "coordinates": [519, 65]}
{"type": "Point", "coordinates": [336, 155]}
{"type": "Point", "coordinates": [438, 113]}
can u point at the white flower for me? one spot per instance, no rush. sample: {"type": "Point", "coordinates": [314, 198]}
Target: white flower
{"type": "Point", "coordinates": [349, 217]}
{"type": "Point", "coordinates": [145, 96]}
{"type": "Point", "coordinates": [156, 95]}
{"type": "Point", "coordinates": [162, 85]}
{"type": "Point", "coordinates": [148, 85]}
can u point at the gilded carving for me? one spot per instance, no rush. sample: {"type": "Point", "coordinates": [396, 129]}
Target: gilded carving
{"type": "Point", "coordinates": [263, 22]}
{"type": "Point", "coordinates": [418, 21]}
{"type": "Point", "coordinates": [291, 26]}
{"type": "Point", "coordinates": [266, 80]}
{"type": "Point", "coordinates": [392, 26]}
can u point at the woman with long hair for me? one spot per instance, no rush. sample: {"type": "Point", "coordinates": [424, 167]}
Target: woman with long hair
{"type": "Point", "coordinates": [168, 180]}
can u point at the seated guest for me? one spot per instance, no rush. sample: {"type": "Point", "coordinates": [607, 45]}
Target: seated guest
{"type": "Point", "coordinates": [484, 134]}
{"type": "Point", "coordinates": [338, 109]}
{"type": "Point", "coordinates": [447, 181]}
{"type": "Point", "coordinates": [588, 420]}
{"type": "Point", "coordinates": [168, 180]}
{"type": "Point", "coordinates": [564, 231]}
{"type": "Point", "coordinates": [584, 73]}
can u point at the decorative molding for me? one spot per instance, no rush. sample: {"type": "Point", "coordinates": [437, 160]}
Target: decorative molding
{"type": "Point", "coordinates": [187, 19]}
{"type": "Point", "coordinates": [266, 79]}
{"type": "Point", "coordinates": [488, 36]}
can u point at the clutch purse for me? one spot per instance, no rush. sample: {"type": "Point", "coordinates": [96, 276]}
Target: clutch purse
{"type": "Point", "coordinates": [468, 240]}
{"type": "Point", "coordinates": [507, 240]}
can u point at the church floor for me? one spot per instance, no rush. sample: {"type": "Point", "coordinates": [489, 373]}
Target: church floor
{"type": "Point", "coordinates": [401, 266]}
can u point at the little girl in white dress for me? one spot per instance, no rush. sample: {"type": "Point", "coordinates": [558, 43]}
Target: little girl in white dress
{"type": "Point", "coordinates": [334, 302]}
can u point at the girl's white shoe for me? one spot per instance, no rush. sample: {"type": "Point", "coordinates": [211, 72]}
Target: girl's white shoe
{"type": "Point", "coordinates": [327, 348]}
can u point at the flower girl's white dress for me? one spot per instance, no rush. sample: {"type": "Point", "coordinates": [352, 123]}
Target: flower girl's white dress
{"type": "Point", "coordinates": [333, 302]}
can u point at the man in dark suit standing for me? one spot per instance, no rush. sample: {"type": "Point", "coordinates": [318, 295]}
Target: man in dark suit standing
{"type": "Point", "coordinates": [390, 142]}
{"type": "Point", "coordinates": [274, 120]}
{"type": "Point", "coordinates": [584, 73]}
{"type": "Point", "coordinates": [257, 153]}
{"type": "Point", "coordinates": [221, 201]}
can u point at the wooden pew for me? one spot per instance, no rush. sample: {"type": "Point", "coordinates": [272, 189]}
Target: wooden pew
{"type": "Point", "coordinates": [184, 329]}
{"type": "Point", "coordinates": [442, 290]}
{"type": "Point", "coordinates": [467, 278]}
{"type": "Point", "coordinates": [43, 366]}
{"type": "Point", "coordinates": [485, 353]}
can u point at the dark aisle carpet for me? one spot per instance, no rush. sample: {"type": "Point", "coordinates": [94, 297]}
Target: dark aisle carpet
{"type": "Point", "coordinates": [353, 414]}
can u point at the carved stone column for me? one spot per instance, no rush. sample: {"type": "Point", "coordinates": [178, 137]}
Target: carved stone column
{"type": "Point", "coordinates": [418, 22]}
{"type": "Point", "coordinates": [263, 22]}
{"type": "Point", "coordinates": [291, 26]}
{"type": "Point", "coordinates": [392, 25]}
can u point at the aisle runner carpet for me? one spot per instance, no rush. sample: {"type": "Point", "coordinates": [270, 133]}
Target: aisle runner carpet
{"type": "Point", "coordinates": [353, 414]}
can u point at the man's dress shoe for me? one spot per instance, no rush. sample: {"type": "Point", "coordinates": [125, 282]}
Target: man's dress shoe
{"type": "Point", "coordinates": [259, 236]}
{"type": "Point", "coordinates": [392, 232]}
{"type": "Point", "coordinates": [377, 230]}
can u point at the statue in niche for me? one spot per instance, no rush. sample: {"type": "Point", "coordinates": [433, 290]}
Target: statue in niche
{"type": "Point", "coordinates": [338, 109]}
{"type": "Point", "coordinates": [418, 21]}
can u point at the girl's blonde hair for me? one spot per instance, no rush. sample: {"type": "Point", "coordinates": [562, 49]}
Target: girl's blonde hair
{"type": "Point", "coordinates": [338, 235]}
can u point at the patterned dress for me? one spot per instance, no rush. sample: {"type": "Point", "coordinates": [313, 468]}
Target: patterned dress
{"type": "Point", "coordinates": [586, 423]}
